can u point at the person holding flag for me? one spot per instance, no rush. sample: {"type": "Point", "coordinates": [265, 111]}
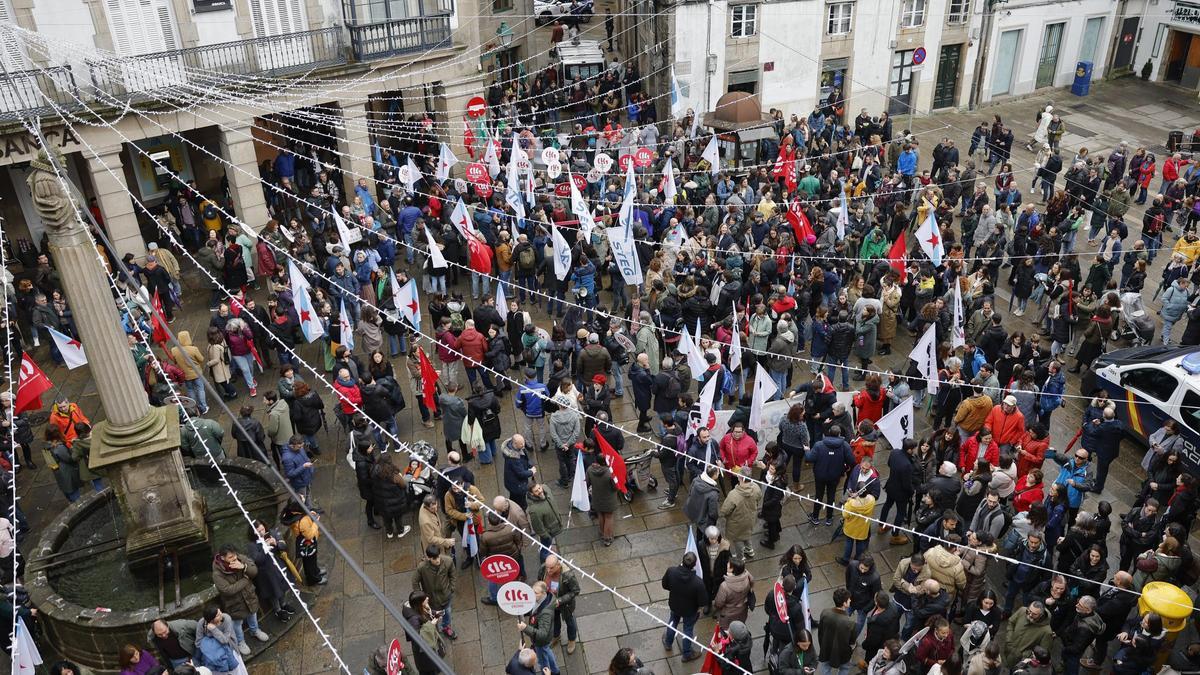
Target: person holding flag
{"type": "Point", "coordinates": [601, 479]}
{"type": "Point", "coordinates": [424, 381]}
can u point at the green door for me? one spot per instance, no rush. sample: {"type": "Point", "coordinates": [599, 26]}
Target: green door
{"type": "Point", "coordinates": [945, 91]}
{"type": "Point", "coordinates": [1048, 59]}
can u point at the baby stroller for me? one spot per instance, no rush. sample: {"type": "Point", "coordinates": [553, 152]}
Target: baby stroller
{"type": "Point", "coordinates": [421, 479]}
{"type": "Point", "coordinates": [1136, 324]}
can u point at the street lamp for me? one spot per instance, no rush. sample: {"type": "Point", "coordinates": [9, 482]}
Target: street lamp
{"type": "Point", "coordinates": [505, 34]}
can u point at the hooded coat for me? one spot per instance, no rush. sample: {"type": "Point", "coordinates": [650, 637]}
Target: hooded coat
{"type": "Point", "coordinates": [740, 510]}
{"type": "Point", "coordinates": [729, 605]}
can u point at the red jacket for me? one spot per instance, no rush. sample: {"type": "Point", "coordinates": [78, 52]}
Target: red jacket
{"type": "Point", "coordinates": [1171, 167]}
{"type": "Point", "coordinates": [968, 454]}
{"type": "Point", "coordinates": [738, 453]}
{"type": "Point", "coordinates": [350, 397]}
{"type": "Point", "coordinates": [447, 347]}
{"type": "Point", "coordinates": [1025, 496]}
{"type": "Point", "coordinates": [870, 409]}
{"type": "Point", "coordinates": [931, 650]}
{"type": "Point", "coordinates": [1037, 449]}
{"type": "Point", "coordinates": [1007, 428]}
{"type": "Point", "coordinates": [473, 346]}
{"type": "Point", "coordinates": [1145, 174]}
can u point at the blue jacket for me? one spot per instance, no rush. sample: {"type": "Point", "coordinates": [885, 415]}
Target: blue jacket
{"type": "Point", "coordinates": [1174, 302]}
{"type": "Point", "coordinates": [1052, 392]}
{"type": "Point", "coordinates": [907, 163]}
{"type": "Point", "coordinates": [408, 218]}
{"type": "Point", "coordinates": [529, 398]}
{"type": "Point", "coordinates": [298, 475]}
{"type": "Point", "coordinates": [368, 199]}
{"type": "Point", "coordinates": [830, 458]}
{"type": "Point", "coordinates": [517, 469]}
{"type": "Point", "coordinates": [1082, 475]}
{"type": "Point", "coordinates": [585, 276]}
{"type": "Point", "coordinates": [285, 165]}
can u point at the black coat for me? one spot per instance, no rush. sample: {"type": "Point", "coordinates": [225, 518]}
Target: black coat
{"type": "Point", "coordinates": [899, 483]}
{"type": "Point", "coordinates": [307, 413]}
{"type": "Point", "coordinates": [881, 628]}
{"type": "Point", "coordinates": [269, 584]}
{"type": "Point", "coordinates": [862, 587]}
{"type": "Point", "coordinates": [390, 498]}
{"type": "Point", "coordinates": [363, 466]}
{"type": "Point", "coordinates": [686, 592]}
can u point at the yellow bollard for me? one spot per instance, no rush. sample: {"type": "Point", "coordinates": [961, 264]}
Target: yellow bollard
{"type": "Point", "coordinates": [1173, 605]}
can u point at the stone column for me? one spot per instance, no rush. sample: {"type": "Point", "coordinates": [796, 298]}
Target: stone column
{"type": "Point", "coordinates": [136, 446]}
{"type": "Point", "coordinates": [237, 148]}
{"type": "Point", "coordinates": [354, 143]}
{"type": "Point", "coordinates": [120, 219]}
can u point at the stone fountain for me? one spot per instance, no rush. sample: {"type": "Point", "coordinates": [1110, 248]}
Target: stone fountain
{"type": "Point", "coordinates": [113, 562]}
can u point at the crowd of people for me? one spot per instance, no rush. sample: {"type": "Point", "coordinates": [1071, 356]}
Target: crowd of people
{"type": "Point", "coordinates": [788, 269]}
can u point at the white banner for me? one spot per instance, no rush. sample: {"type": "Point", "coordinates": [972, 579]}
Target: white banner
{"type": "Point", "coordinates": [624, 253]}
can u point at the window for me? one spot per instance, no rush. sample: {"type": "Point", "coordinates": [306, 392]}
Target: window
{"type": "Point", "coordinates": [1189, 410]}
{"type": "Point", "coordinates": [12, 56]}
{"type": "Point", "coordinates": [745, 21]}
{"type": "Point", "coordinates": [501, 5]}
{"type": "Point", "coordinates": [912, 13]}
{"type": "Point", "coordinates": [958, 11]}
{"type": "Point", "coordinates": [1157, 384]}
{"type": "Point", "coordinates": [141, 27]}
{"type": "Point", "coordinates": [840, 16]}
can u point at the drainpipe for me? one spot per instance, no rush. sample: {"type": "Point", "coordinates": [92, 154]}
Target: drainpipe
{"type": "Point", "coordinates": [707, 64]}
{"type": "Point", "coordinates": [985, 39]}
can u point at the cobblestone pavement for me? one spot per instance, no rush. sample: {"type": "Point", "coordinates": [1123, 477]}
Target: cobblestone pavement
{"type": "Point", "coordinates": [648, 540]}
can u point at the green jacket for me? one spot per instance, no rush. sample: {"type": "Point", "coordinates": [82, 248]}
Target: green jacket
{"type": "Point", "coordinates": [81, 451]}
{"type": "Point", "coordinates": [540, 627]}
{"type": "Point", "coordinates": [543, 518]}
{"type": "Point", "coordinates": [185, 632]}
{"type": "Point", "coordinates": [874, 246]}
{"type": "Point", "coordinates": [568, 588]}
{"type": "Point", "coordinates": [436, 581]}
{"type": "Point", "coordinates": [207, 433]}
{"type": "Point", "coordinates": [1023, 635]}
{"type": "Point", "coordinates": [279, 423]}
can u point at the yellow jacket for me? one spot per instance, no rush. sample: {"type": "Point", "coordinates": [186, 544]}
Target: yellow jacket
{"type": "Point", "coordinates": [1189, 249]}
{"type": "Point", "coordinates": [504, 260]}
{"type": "Point", "coordinates": [858, 509]}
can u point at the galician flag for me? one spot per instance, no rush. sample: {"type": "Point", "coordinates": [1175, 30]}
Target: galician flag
{"type": "Point", "coordinates": [437, 260]}
{"type": "Point", "coordinates": [461, 220]}
{"type": "Point", "coordinates": [407, 302]}
{"type": "Point", "coordinates": [26, 656]}
{"type": "Point", "coordinates": [667, 187]}
{"type": "Point", "coordinates": [691, 547]}
{"type": "Point", "coordinates": [296, 277]}
{"type": "Point", "coordinates": [676, 96]}
{"type": "Point", "coordinates": [625, 215]}
{"type": "Point", "coordinates": [310, 323]}
{"type": "Point", "coordinates": [735, 343]}
{"type": "Point", "coordinates": [929, 236]}
{"type": "Point", "coordinates": [491, 157]}
{"type": "Point", "coordinates": [346, 338]}
{"type": "Point", "coordinates": [579, 492]}
{"type": "Point", "coordinates": [512, 194]}
{"type": "Point", "coordinates": [70, 348]}
{"type": "Point", "coordinates": [501, 302]}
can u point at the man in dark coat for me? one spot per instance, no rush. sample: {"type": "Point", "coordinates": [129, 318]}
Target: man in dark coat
{"type": "Point", "coordinates": [836, 632]}
{"type": "Point", "coordinates": [686, 595]}
{"type": "Point", "coordinates": [830, 458]}
{"type": "Point", "coordinates": [642, 383]}
{"type": "Point", "coordinates": [883, 623]}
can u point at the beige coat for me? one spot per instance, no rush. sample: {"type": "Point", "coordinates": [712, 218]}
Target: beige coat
{"type": "Point", "coordinates": [946, 568]}
{"type": "Point", "coordinates": [189, 351]}
{"type": "Point", "coordinates": [740, 510]}
{"type": "Point", "coordinates": [432, 528]}
{"type": "Point", "coordinates": [216, 363]}
{"type": "Point", "coordinates": [890, 297]}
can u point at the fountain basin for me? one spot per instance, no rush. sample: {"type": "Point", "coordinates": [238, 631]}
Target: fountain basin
{"type": "Point", "coordinates": [91, 600]}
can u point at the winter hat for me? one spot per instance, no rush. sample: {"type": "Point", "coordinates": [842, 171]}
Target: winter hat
{"type": "Point", "coordinates": [600, 379]}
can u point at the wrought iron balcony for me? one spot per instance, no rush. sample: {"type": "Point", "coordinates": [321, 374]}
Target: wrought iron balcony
{"type": "Point", "coordinates": [398, 36]}
{"type": "Point", "coordinates": [276, 56]}
{"type": "Point", "coordinates": [25, 92]}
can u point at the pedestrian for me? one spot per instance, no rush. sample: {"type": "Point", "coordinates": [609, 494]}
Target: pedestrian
{"type": "Point", "coordinates": [740, 510]}
{"type": "Point", "coordinates": [686, 596]}
{"type": "Point", "coordinates": [531, 399]}
{"type": "Point", "coordinates": [389, 497]}
{"type": "Point", "coordinates": [855, 513]}
{"type": "Point", "coordinates": [233, 575]}
{"type": "Point", "coordinates": [436, 577]}
{"type": "Point", "coordinates": [836, 635]}
{"type": "Point", "coordinates": [603, 497]}
{"type": "Point", "coordinates": [831, 458]}
{"type": "Point", "coordinates": [563, 585]}
{"type": "Point", "coordinates": [540, 627]}
{"type": "Point", "coordinates": [518, 469]}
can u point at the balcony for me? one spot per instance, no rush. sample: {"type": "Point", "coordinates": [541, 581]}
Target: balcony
{"type": "Point", "coordinates": [24, 93]}
{"type": "Point", "coordinates": [268, 57]}
{"type": "Point", "coordinates": [399, 36]}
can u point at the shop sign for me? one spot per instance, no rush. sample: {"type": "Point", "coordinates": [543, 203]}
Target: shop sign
{"type": "Point", "coordinates": [24, 146]}
{"type": "Point", "coordinates": [1186, 12]}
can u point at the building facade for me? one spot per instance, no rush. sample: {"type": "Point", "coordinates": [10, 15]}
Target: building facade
{"type": "Point", "coordinates": [341, 77]}
{"type": "Point", "coordinates": [1163, 35]}
{"type": "Point", "coordinates": [903, 56]}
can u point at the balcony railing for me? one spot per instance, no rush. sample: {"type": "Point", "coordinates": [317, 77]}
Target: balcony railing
{"type": "Point", "coordinates": [399, 36]}
{"type": "Point", "coordinates": [279, 55]}
{"type": "Point", "coordinates": [25, 92]}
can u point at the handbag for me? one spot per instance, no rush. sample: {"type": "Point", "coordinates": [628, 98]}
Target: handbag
{"type": "Point", "coordinates": [751, 601]}
{"type": "Point", "coordinates": [1147, 564]}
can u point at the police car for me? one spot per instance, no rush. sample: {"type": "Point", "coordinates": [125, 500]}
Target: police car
{"type": "Point", "coordinates": [1151, 384]}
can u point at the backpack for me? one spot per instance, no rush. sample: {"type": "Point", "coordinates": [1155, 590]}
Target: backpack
{"type": "Point", "coordinates": [456, 322]}
{"type": "Point", "coordinates": [215, 655]}
{"type": "Point", "coordinates": [526, 258]}
{"type": "Point", "coordinates": [727, 382]}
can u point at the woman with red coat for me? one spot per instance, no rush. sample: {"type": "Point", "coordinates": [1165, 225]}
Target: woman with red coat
{"type": "Point", "coordinates": [869, 402]}
{"type": "Point", "coordinates": [1145, 175]}
{"type": "Point", "coordinates": [1029, 491]}
{"type": "Point", "coordinates": [1031, 451]}
{"type": "Point", "coordinates": [979, 446]}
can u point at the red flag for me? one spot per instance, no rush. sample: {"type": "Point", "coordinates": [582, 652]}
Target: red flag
{"type": "Point", "coordinates": [429, 378]}
{"type": "Point", "coordinates": [713, 665]}
{"type": "Point", "coordinates": [785, 165]}
{"type": "Point", "coordinates": [31, 385]}
{"type": "Point", "coordinates": [481, 256]}
{"type": "Point", "coordinates": [896, 256]}
{"type": "Point", "coordinates": [614, 460]}
{"type": "Point", "coordinates": [469, 138]}
{"type": "Point", "coordinates": [158, 323]}
{"type": "Point", "coordinates": [799, 221]}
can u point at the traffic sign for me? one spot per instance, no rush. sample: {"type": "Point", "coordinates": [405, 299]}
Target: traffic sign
{"type": "Point", "coordinates": [643, 157]}
{"type": "Point", "coordinates": [499, 569]}
{"type": "Point", "coordinates": [476, 107]}
{"type": "Point", "coordinates": [477, 173]}
{"type": "Point", "coordinates": [516, 598]}
{"type": "Point", "coordinates": [395, 658]}
{"type": "Point", "coordinates": [918, 56]}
